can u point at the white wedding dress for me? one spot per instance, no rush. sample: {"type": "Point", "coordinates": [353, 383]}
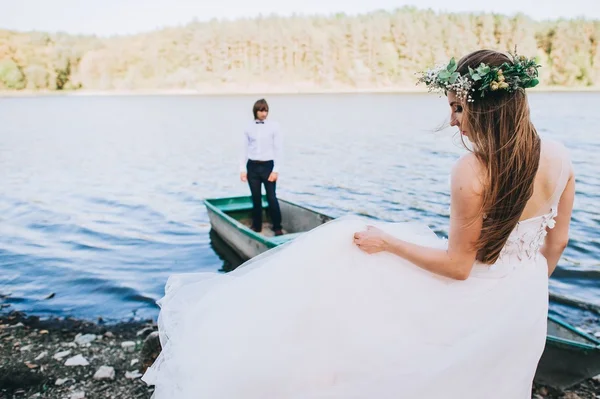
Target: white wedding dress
{"type": "Point", "coordinates": [318, 318]}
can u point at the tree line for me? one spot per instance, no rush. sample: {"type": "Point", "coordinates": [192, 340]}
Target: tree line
{"type": "Point", "coordinates": [377, 50]}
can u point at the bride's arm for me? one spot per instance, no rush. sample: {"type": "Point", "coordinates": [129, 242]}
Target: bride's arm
{"type": "Point", "coordinates": [557, 239]}
{"type": "Point", "coordinates": [465, 227]}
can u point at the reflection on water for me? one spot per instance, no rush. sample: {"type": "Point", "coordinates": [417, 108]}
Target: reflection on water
{"type": "Point", "coordinates": [231, 260]}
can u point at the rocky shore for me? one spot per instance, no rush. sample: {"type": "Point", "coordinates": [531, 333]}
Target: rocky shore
{"type": "Point", "coordinates": [75, 359]}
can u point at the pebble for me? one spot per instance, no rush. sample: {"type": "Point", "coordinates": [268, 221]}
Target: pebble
{"type": "Point", "coordinates": [132, 375]}
{"type": "Point", "coordinates": [78, 360]}
{"type": "Point", "coordinates": [41, 355]}
{"type": "Point", "coordinates": [60, 355]}
{"type": "Point", "coordinates": [143, 333]}
{"type": "Point", "coordinates": [84, 339]}
{"type": "Point", "coordinates": [128, 346]}
{"type": "Point", "coordinates": [61, 381]}
{"type": "Point", "coordinates": [105, 373]}
{"type": "Point", "coordinates": [77, 395]}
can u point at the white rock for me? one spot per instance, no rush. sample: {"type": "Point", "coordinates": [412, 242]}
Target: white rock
{"type": "Point", "coordinates": [77, 395]}
{"type": "Point", "coordinates": [61, 381]}
{"type": "Point", "coordinates": [134, 361]}
{"type": "Point", "coordinates": [26, 348]}
{"type": "Point", "coordinates": [41, 355]}
{"type": "Point", "coordinates": [108, 334]}
{"type": "Point", "coordinates": [132, 375]}
{"type": "Point", "coordinates": [78, 360]}
{"type": "Point", "coordinates": [105, 373]}
{"type": "Point", "coordinates": [597, 378]}
{"type": "Point", "coordinates": [597, 335]}
{"type": "Point", "coordinates": [85, 339]}
{"type": "Point", "coordinates": [144, 332]}
{"type": "Point", "coordinates": [129, 346]}
{"type": "Point", "coordinates": [60, 355]}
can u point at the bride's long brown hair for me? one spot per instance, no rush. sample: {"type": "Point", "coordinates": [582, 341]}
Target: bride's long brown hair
{"type": "Point", "coordinates": [507, 144]}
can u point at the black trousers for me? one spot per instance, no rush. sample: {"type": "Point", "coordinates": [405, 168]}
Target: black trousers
{"type": "Point", "coordinates": [258, 174]}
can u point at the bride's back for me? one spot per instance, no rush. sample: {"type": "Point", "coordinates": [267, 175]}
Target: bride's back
{"type": "Point", "coordinates": [549, 180]}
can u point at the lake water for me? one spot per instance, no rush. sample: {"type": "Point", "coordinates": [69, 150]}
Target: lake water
{"type": "Point", "coordinates": [101, 196]}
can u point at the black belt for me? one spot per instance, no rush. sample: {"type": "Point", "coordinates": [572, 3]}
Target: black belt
{"type": "Point", "coordinates": [253, 161]}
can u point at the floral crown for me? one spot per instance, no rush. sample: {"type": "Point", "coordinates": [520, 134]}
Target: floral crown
{"type": "Point", "coordinates": [522, 73]}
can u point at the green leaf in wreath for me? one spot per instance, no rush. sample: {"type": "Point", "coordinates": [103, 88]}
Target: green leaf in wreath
{"type": "Point", "coordinates": [444, 75]}
{"type": "Point", "coordinates": [483, 69]}
{"type": "Point", "coordinates": [452, 66]}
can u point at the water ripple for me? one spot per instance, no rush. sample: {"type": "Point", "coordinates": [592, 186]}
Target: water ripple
{"type": "Point", "coordinates": [102, 209]}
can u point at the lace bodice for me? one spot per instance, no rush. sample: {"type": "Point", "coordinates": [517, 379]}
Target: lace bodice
{"type": "Point", "coordinates": [526, 240]}
{"type": "Point", "coordinates": [528, 236]}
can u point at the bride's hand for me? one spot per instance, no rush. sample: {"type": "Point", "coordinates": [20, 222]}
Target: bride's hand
{"type": "Point", "coordinates": [372, 240]}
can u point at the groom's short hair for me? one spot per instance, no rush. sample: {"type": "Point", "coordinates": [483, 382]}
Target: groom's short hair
{"type": "Point", "coordinates": [260, 105]}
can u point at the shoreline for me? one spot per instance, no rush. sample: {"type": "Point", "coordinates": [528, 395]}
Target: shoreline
{"type": "Point", "coordinates": [239, 91]}
{"type": "Point", "coordinates": [76, 359]}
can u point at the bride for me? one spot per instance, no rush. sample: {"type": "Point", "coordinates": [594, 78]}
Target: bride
{"type": "Point", "coordinates": [356, 309]}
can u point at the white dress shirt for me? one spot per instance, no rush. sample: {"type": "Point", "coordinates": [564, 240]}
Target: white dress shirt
{"type": "Point", "coordinates": [262, 142]}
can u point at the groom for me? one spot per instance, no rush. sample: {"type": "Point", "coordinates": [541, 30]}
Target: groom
{"type": "Point", "coordinates": [260, 163]}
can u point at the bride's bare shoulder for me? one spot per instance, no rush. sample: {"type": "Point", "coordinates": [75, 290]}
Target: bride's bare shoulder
{"type": "Point", "coordinates": [469, 174]}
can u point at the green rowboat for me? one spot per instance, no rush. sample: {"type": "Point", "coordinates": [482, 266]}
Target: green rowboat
{"type": "Point", "coordinates": [231, 217]}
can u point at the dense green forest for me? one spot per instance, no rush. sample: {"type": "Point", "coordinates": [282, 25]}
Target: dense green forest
{"type": "Point", "coordinates": [379, 50]}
